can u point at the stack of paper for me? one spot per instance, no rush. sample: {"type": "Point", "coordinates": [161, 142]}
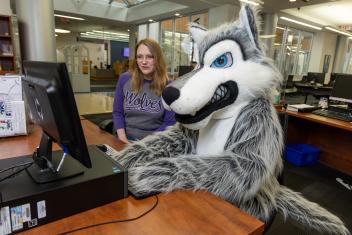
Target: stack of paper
{"type": "Point", "coordinates": [12, 111]}
{"type": "Point", "coordinates": [301, 108]}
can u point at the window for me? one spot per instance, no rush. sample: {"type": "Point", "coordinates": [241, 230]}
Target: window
{"type": "Point", "coordinates": [172, 34]}
{"type": "Point", "coordinates": [166, 42]}
{"type": "Point", "coordinates": [347, 64]}
{"type": "Point", "coordinates": [292, 50]}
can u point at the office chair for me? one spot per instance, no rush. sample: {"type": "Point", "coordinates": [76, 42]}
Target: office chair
{"type": "Point", "coordinates": [289, 82]}
{"type": "Point", "coordinates": [183, 69]}
{"type": "Point", "coordinates": [283, 118]}
{"type": "Point", "coordinates": [107, 125]}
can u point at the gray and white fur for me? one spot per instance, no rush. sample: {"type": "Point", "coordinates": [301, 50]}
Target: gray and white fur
{"type": "Point", "coordinates": [228, 94]}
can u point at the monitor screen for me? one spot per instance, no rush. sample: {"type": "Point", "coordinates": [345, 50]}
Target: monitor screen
{"type": "Point", "coordinates": [316, 77]}
{"type": "Point", "coordinates": [342, 88]}
{"type": "Point", "coordinates": [126, 52]}
{"type": "Point", "coordinates": [333, 77]}
{"type": "Point", "coordinates": [52, 105]}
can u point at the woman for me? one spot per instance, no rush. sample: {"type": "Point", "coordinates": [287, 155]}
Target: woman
{"type": "Point", "coordinates": [138, 110]}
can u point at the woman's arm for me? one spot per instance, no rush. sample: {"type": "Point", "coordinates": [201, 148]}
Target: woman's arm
{"type": "Point", "coordinates": [118, 113]}
{"type": "Point", "coordinates": [121, 133]}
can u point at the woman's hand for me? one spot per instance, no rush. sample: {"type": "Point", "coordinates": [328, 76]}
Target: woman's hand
{"type": "Point", "coordinates": [121, 133]}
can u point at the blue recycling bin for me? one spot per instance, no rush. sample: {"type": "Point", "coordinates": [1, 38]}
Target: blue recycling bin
{"type": "Point", "coordinates": [301, 154]}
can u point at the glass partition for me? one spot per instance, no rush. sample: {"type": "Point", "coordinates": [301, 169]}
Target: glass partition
{"type": "Point", "coordinates": [292, 50]}
{"type": "Point", "coordinates": [181, 32]}
{"type": "Point", "coordinates": [347, 64]}
{"type": "Point", "coordinates": [166, 42]}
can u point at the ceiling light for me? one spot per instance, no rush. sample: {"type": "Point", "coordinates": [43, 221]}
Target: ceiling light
{"type": "Point", "coordinates": [255, 3]}
{"type": "Point", "coordinates": [267, 36]}
{"type": "Point", "coordinates": [177, 14]}
{"type": "Point", "coordinates": [128, 30]}
{"type": "Point", "coordinates": [338, 31]}
{"type": "Point", "coordinates": [103, 37]}
{"type": "Point", "coordinates": [301, 23]}
{"type": "Point", "coordinates": [62, 31]}
{"type": "Point", "coordinates": [107, 33]}
{"type": "Point", "coordinates": [292, 0]}
{"type": "Point", "coordinates": [151, 20]}
{"type": "Point", "coordinates": [69, 17]}
{"type": "Point", "coordinates": [56, 35]}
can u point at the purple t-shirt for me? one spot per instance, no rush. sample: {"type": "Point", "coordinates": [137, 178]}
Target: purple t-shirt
{"type": "Point", "coordinates": [140, 114]}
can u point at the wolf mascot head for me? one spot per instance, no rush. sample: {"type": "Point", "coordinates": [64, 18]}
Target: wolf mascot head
{"type": "Point", "coordinates": [228, 139]}
{"type": "Point", "coordinates": [232, 71]}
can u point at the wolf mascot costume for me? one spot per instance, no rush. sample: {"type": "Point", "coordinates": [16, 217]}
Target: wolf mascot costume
{"type": "Point", "coordinates": [228, 139]}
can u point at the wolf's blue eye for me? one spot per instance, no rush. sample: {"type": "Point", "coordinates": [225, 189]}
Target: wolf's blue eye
{"type": "Point", "coordinates": [223, 61]}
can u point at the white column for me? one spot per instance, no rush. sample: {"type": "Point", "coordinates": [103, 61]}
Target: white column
{"type": "Point", "coordinates": [36, 29]}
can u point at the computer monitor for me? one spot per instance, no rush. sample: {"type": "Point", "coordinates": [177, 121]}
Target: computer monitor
{"type": "Point", "coordinates": [126, 52]}
{"type": "Point", "coordinates": [333, 77]}
{"type": "Point", "coordinates": [52, 105]}
{"type": "Point", "coordinates": [316, 77]}
{"type": "Point", "coordinates": [342, 89]}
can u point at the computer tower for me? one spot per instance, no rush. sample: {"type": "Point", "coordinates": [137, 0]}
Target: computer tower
{"type": "Point", "coordinates": [26, 204]}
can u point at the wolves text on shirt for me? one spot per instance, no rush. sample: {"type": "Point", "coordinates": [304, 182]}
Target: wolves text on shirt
{"type": "Point", "coordinates": [135, 102]}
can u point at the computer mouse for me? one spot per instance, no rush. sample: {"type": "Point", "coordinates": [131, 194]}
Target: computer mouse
{"type": "Point", "coordinates": [102, 147]}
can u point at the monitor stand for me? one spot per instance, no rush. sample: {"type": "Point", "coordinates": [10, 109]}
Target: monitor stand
{"type": "Point", "coordinates": [71, 168]}
{"type": "Point", "coordinates": [46, 162]}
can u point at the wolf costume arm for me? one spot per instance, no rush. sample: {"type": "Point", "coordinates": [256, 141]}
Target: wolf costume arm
{"type": "Point", "coordinates": [172, 142]}
{"type": "Point", "coordinates": [249, 159]}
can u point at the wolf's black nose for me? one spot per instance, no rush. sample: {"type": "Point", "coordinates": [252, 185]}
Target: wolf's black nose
{"type": "Point", "coordinates": [170, 94]}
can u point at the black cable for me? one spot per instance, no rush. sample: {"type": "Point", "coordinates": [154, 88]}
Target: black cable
{"type": "Point", "coordinates": [114, 221]}
{"type": "Point", "coordinates": [11, 167]}
{"type": "Point", "coordinates": [16, 172]}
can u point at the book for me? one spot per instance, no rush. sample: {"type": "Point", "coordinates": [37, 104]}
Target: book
{"type": "Point", "coordinates": [301, 108]}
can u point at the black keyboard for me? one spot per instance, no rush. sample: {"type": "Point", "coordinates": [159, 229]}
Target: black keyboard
{"type": "Point", "coordinates": [333, 114]}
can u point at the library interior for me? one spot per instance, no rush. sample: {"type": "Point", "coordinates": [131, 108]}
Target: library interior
{"type": "Point", "coordinates": [60, 65]}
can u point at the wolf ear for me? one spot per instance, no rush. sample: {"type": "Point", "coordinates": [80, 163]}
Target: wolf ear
{"type": "Point", "coordinates": [197, 32]}
{"type": "Point", "coordinates": [248, 21]}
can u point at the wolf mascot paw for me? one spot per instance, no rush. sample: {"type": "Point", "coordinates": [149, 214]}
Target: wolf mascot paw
{"type": "Point", "coordinates": [228, 139]}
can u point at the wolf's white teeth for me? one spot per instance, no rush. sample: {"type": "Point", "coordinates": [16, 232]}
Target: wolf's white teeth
{"type": "Point", "coordinates": [220, 93]}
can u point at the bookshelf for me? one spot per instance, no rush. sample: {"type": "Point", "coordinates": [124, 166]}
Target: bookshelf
{"type": "Point", "coordinates": [7, 53]}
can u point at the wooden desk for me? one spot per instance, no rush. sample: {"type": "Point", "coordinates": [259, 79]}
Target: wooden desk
{"type": "Point", "coordinates": [333, 137]}
{"type": "Point", "coordinates": [181, 212]}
